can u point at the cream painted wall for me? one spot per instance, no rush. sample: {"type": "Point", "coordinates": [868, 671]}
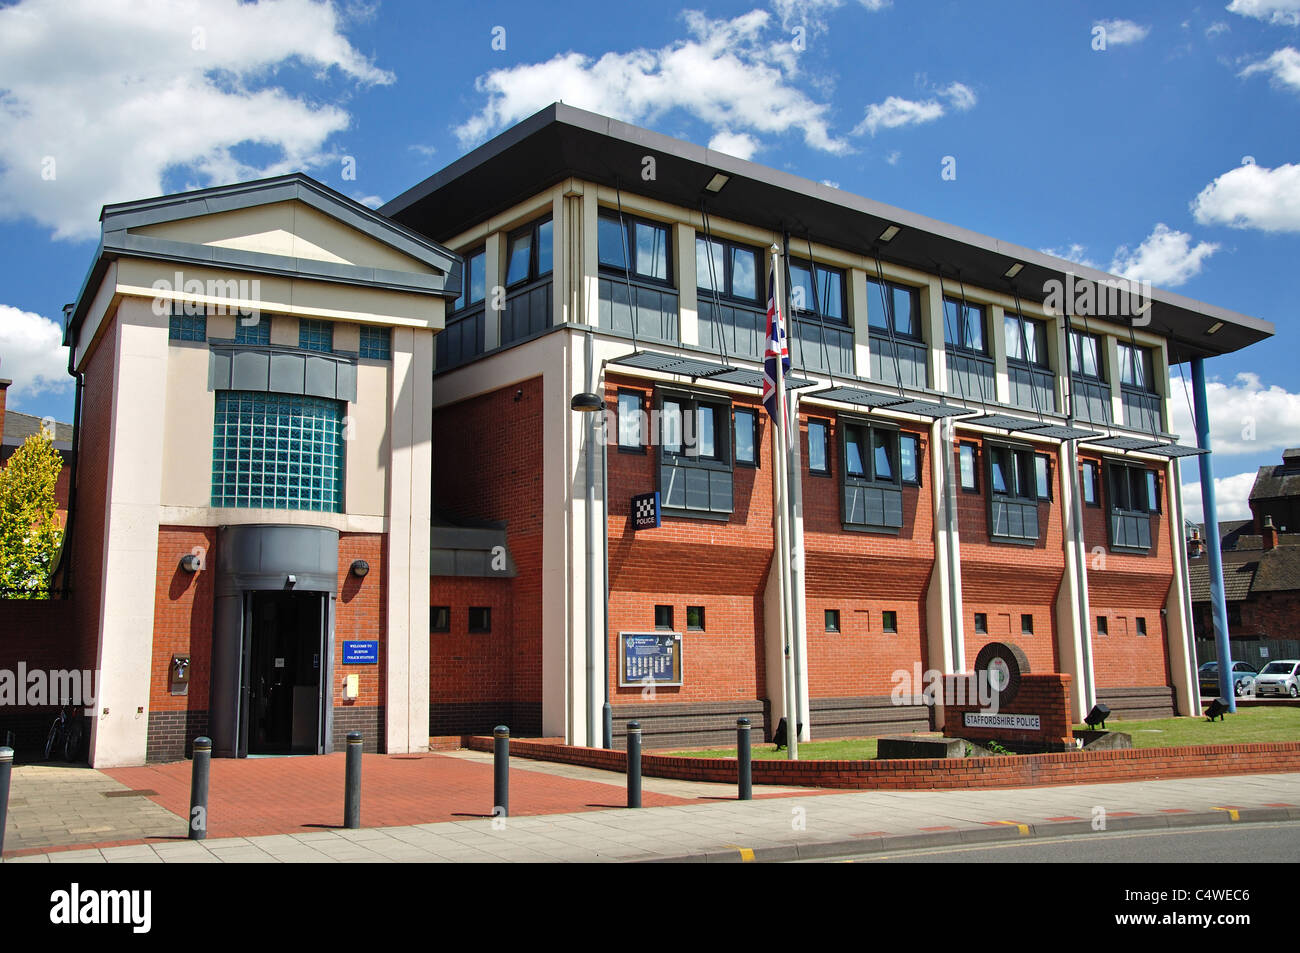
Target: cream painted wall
{"type": "Point", "coordinates": [188, 416]}
{"type": "Point", "coordinates": [292, 229]}
{"type": "Point", "coordinates": [367, 441]}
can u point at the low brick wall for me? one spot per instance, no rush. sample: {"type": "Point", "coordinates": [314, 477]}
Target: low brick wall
{"type": "Point", "coordinates": [1047, 696]}
{"type": "Point", "coordinates": [1011, 771]}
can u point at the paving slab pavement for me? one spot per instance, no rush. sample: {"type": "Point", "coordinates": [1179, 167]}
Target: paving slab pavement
{"type": "Point", "coordinates": [768, 829]}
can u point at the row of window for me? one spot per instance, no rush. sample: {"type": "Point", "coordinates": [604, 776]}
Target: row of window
{"type": "Point", "coordinates": [982, 623]}
{"type": "Point", "coordinates": [888, 621]}
{"type": "Point", "coordinates": [1103, 625]}
{"type": "Point", "coordinates": [479, 619]}
{"type": "Point", "coordinates": [694, 618]}
{"type": "Point", "coordinates": [530, 255]}
{"type": "Point", "coordinates": [255, 329]}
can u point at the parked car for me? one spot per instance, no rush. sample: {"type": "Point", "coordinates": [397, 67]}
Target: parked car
{"type": "Point", "coordinates": [1243, 679]}
{"type": "Point", "coordinates": [1281, 677]}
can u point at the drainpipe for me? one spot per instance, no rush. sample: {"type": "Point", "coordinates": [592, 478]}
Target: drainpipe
{"type": "Point", "coordinates": [607, 713]}
{"type": "Point", "coordinates": [65, 557]}
{"type": "Point", "coordinates": [1210, 509]}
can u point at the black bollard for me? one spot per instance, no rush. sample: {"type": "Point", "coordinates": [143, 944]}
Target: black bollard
{"type": "Point", "coordinates": [352, 783]}
{"type": "Point", "coordinates": [199, 775]}
{"type": "Point", "coordinates": [6, 771]}
{"type": "Point", "coordinates": [633, 764]}
{"type": "Point", "coordinates": [501, 771]}
{"type": "Point", "coordinates": [744, 766]}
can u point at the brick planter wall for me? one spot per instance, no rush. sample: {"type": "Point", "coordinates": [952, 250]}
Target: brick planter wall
{"type": "Point", "coordinates": [1047, 696]}
{"type": "Point", "coordinates": [1039, 770]}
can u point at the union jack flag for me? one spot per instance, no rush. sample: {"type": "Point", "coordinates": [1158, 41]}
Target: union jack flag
{"type": "Point", "coordinates": [777, 348]}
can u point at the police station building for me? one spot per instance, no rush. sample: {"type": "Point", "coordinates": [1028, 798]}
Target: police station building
{"type": "Point", "coordinates": [339, 469]}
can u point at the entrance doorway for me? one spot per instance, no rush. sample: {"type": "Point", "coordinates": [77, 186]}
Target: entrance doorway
{"type": "Point", "coordinates": [284, 660]}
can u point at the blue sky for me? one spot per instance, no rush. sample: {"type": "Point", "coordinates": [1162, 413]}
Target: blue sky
{"type": "Point", "coordinates": [1158, 140]}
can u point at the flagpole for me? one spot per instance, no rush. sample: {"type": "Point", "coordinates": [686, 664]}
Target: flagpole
{"type": "Point", "coordinates": [782, 530]}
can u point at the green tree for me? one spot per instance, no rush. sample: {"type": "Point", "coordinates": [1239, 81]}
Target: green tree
{"type": "Point", "coordinates": [30, 534]}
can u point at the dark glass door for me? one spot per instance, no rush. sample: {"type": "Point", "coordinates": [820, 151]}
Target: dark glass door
{"type": "Point", "coordinates": [283, 672]}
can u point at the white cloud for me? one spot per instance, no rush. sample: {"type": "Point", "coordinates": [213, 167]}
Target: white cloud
{"type": "Point", "coordinates": [32, 354]}
{"type": "Point", "coordinates": [748, 87]}
{"type": "Point", "coordinates": [1231, 498]}
{"type": "Point", "coordinates": [805, 13]}
{"type": "Point", "coordinates": [893, 157]}
{"type": "Point", "coordinates": [1166, 258]}
{"type": "Point", "coordinates": [118, 95]}
{"type": "Point", "coordinates": [370, 201]}
{"type": "Point", "coordinates": [1073, 252]}
{"type": "Point", "coordinates": [1283, 67]}
{"type": "Point", "coordinates": [896, 111]}
{"type": "Point", "coordinates": [1214, 29]}
{"type": "Point", "coordinates": [831, 184]}
{"type": "Point", "coordinates": [1283, 12]}
{"type": "Point", "coordinates": [1245, 415]}
{"type": "Point", "coordinates": [738, 144]}
{"type": "Point", "coordinates": [1252, 196]}
{"type": "Point", "coordinates": [1122, 32]}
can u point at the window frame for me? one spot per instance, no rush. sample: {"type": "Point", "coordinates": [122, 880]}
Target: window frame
{"type": "Point", "coordinates": [463, 303]}
{"type": "Point", "coordinates": [1026, 623]}
{"type": "Point", "coordinates": [1099, 356]}
{"type": "Point", "coordinates": [721, 461]}
{"type": "Point", "coordinates": [1046, 460]}
{"type": "Point", "coordinates": [918, 335]}
{"type": "Point", "coordinates": [1022, 321]}
{"type": "Point", "coordinates": [368, 351]}
{"type": "Point", "coordinates": [726, 281]}
{"type": "Point", "coordinates": [533, 272]}
{"type": "Point", "coordinates": [629, 271]}
{"type": "Point", "coordinates": [1129, 356]}
{"type": "Point", "coordinates": [815, 270]}
{"type": "Point", "coordinates": [177, 329]}
{"type": "Point", "coordinates": [752, 414]}
{"type": "Point", "coordinates": [483, 628]}
{"type": "Point", "coordinates": [825, 425]}
{"type": "Point", "coordinates": [1118, 504]}
{"type": "Point", "coordinates": [307, 327]}
{"type": "Point", "coordinates": [1095, 468]}
{"type": "Point", "coordinates": [832, 625]}
{"type": "Point", "coordinates": [642, 421]}
{"type": "Point", "coordinates": [1103, 625]}
{"type": "Point", "coordinates": [964, 445]}
{"type": "Point", "coordinates": [657, 625]}
{"type": "Point", "coordinates": [692, 627]}
{"type": "Point", "coordinates": [962, 346]}
{"type": "Point", "coordinates": [263, 320]}
{"type": "Point", "coordinates": [889, 621]}
{"type": "Point", "coordinates": [916, 458]}
{"type": "Point", "coordinates": [445, 627]}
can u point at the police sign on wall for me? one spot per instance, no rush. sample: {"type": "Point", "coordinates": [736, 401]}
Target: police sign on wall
{"type": "Point", "coordinates": [650, 658]}
{"type": "Point", "coordinates": [645, 511]}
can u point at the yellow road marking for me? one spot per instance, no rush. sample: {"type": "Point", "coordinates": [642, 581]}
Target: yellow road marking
{"type": "Point", "coordinates": [1023, 828]}
{"type": "Point", "coordinates": [1232, 812]}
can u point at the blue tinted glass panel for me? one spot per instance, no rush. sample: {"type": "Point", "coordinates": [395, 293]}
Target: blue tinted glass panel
{"type": "Point", "coordinates": [315, 335]}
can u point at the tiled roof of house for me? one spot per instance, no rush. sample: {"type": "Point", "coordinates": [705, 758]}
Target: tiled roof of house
{"type": "Point", "coordinates": [1279, 570]}
{"type": "Point", "coordinates": [1237, 578]}
{"type": "Point", "coordinates": [20, 426]}
{"type": "Point", "coordinates": [1282, 480]}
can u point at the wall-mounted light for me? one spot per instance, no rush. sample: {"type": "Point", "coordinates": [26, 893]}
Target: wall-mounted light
{"type": "Point", "coordinates": [360, 567]}
{"type": "Point", "coordinates": [587, 403]}
{"type": "Point", "coordinates": [191, 563]}
{"type": "Point", "coordinates": [1014, 270]}
{"type": "Point", "coordinates": [290, 581]}
{"type": "Point", "coordinates": [888, 234]}
{"type": "Point", "coordinates": [1214, 328]}
{"type": "Point", "coordinates": [717, 182]}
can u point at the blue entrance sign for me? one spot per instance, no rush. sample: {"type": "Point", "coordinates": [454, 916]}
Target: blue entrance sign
{"type": "Point", "coordinates": [365, 653]}
{"type": "Point", "coordinates": [645, 511]}
{"type": "Point", "coordinates": [650, 658]}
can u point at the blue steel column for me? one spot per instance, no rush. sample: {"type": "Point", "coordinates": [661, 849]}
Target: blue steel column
{"type": "Point", "coordinates": [1210, 509]}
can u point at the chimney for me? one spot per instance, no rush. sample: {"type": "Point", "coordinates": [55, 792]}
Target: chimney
{"type": "Point", "coordinates": [4, 392]}
{"type": "Point", "coordinates": [1270, 534]}
{"type": "Point", "coordinates": [1195, 545]}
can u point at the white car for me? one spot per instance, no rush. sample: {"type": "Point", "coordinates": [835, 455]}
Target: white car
{"type": "Point", "coordinates": [1279, 678]}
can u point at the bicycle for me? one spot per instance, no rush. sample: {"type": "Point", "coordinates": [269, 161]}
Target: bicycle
{"type": "Point", "coordinates": [66, 735]}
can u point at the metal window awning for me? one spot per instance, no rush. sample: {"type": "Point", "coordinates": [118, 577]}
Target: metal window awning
{"type": "Point", "coordinates": [855, 395]}
{"type": "Point", "coordinates": [1126, 443]}
{"type": "Point", "coordinates": [702, 370]}
{"type": "Point", "coordinates": [1003, 422]}
{"type": "Point", "coordinates": [925, 408]}
{"type": "Point", "coordinates": [1059, 432]}
{"type": "Point", "coordinates": [1174, 450]}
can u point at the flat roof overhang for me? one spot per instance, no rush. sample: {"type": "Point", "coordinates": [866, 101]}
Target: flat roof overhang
{"type": "Point", "coordinates": [561, 141]}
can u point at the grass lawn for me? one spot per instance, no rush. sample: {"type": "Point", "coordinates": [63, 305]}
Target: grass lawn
{"type": "Point", "coordinates": [1247, 725]}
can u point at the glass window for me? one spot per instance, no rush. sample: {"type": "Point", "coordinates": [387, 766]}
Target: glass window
{"type": "Point", "coordinates": [695, 430]}
{"type": "Point", "coordinates": [695, 618]}
{"type": "Point", "coordinates": [909, 450]}
{"type": "Point", "coordinates": [671, 424]}
{"type": "Point", "coordinates": [1141, 625]}
{"type": "Point", "coordinates": [545, 248]}
{"type": "Point", "coordinates": [1042, 477]}
{"type": "Point", "coordinates": [439, 618]}
{"type": "Point", "coordinates": [1084, 355]}
{"type": "Point", "coordinates": [663, 617]}
{"type": "Point", "coordinates": [710, 266]}
{"type": "Point", "coordinates": [184, 326]}
{"type": "Point", "coordinates": [611, 241]}
{"type": "Point", "coordinates": [651, 250]}
{"type": "Point", "coordinates": [855, 454]}
{"type": "Point", "coordinates": [746, 437]}
{"type": "Point", "coordinates": [889, 621]}
{"type": "Point", "coordinates": [1026, 340]}
{"type": "Point", "coordinates": [882, 447]}
{"type": "Point", "coordinates": [1103, 625]}
{"type": "Point", "coordinates": [376, 343]}
{"type": "Point", "coordinates": [744, 273]}
{"type": "Point", "coordinates": [316, 335]}
{"type": "Point", "coordinates": [998, 468]}
{"type": "Point", "coordinates": [1153, 491]}
{"type": "Point", "coordinates": [473, 280]}
{"type": "Point", "coordinates": [903, 303]}
{"type": "Point", "coordinates": [706, 438]}
{"type": "Point", "coordinates": [1088, 475]}
{"type": "Point", "coordinates": [528, 253]}
{"type": "Point", "coordinates": [728, 269]}
{"type": "Point", "coordinates": [277, 451]}
{"type": "Point", "coordinates": [629, 421]}
{"type": "Point", "coordinates": [1135, 367]}
{"type": "Point", "coordinates": [963, 325]}
{"type": "Point", "coordinates": [817, 459]}
{"type": "Point", "coordinates": [520, 258]}
{"type": "Point", "coordinates": [832, 620]}
{"type": "Point", "coordinates": [1026, 624]}
{"type": "Point", "coordinates": [817, 289]}
{"type": "Point", "coordinates": [252, 328]}
{"type": "Point", "coordinates": [480, 619]}
{"type": "Point", "coordinates": [966, 461]}
{"type": "Point", "coordinates": [981, 623]}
